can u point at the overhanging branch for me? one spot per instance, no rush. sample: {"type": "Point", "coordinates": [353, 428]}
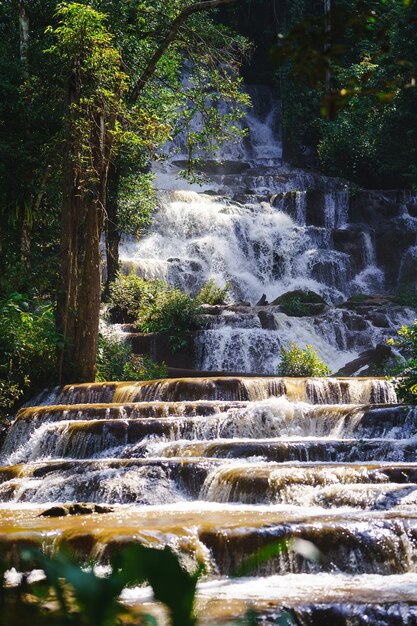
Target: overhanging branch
{"type": "Point", "coordinates": [170, 37]}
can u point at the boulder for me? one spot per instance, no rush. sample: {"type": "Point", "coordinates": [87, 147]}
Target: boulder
{"type": "Point", "coordinates": [299, 303]}
{"type": "Point", "coordinates": [78, 508]}
{"type": "Point", "coordinates": [262, 301]}
{"type": "Point", "coordinates": [369, 363]}
{"type": "Point", "coordinates": [267, 320]}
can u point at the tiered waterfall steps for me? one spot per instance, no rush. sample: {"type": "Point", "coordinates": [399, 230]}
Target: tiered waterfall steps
{"type": "Point", "coordinates": [219, 468]}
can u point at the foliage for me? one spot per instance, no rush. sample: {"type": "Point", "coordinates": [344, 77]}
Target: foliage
{"type": "Point", "coordinates": [211, 293]}
{"type": "Point", "coordinates": [406, 295]}
{"type": "Point", "coordinates": [154, 307]}
{"type": "Point", "coordinates": [115, 361]}
{"type": "Point", "coordinates": [171, 312]}
{"type": "Point", "coordinates": [354, 65]}
{"type": "Point", "coordinates": [28, 344]}
{"type": "Point", "coordinates": [82, 598]}
{"type": "Point", "coordinates": [298, 362]}
{"type": "Point", "coordinates": [406, 369]}
{"type": "Point", "coordinates": [136, 202]}
{"type": "Point", "coordinates": [128, 293]}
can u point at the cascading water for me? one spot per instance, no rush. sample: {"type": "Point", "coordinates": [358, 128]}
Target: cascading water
{"type": "Point", "coordinates": [219, 468]}
{"type": "Point", "coordinates": [268, 229]}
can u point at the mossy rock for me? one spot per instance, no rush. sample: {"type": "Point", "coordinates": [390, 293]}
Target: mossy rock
{"type": "Point", "coordinates": [300, 303]}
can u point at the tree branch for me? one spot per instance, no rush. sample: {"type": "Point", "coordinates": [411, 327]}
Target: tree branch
{"type": "Point", "coordinates": [170, 37]}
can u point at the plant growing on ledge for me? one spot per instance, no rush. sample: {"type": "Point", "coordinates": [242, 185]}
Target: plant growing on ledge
{"type": "Point", "coordinates": [298, 362]}
{"type": "Point", "coordinates": [115, 361]}
{"type": "Point", "coordinates": [406, 369]}
{"type": "Point", "coordinates": [171, 312]}
{"type": "Point", "coordinates": [211, 293]}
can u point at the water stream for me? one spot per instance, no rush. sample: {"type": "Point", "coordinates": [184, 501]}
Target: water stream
{"type": "Point", "coordinates": [218, 468]}
{"type": "Point", "coordinates": [267, 228]}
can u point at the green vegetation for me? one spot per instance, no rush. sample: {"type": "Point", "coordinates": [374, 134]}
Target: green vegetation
{"type": "Point", "coordinates": [213, 294]}
{"type": "Point", "coordinates": [128, 294]}
{"type": "Point", "coordinates": [406, 368]}
{"type": "Point", "coordinates": [115, 361]}
{"type": "Point", "coordinates": [348, 69]}
{"type": "Point", "coordinates": [298, 362]}
{"type": "Point", "coordinates": [28, 338]}
{"type": "Point", "coordinates": [171, 312]}
{"type": "Point", "coordinates": [155, 307]}
{"type": "Point", "coordinates": [75, 596]}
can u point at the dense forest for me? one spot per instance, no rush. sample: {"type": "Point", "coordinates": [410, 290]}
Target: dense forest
{"type": "Point", "coordinates": [92, 91]}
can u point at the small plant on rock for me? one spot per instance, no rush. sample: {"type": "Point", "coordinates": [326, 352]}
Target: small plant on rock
{"type": "Point", "coordinates": [171, 312]}
{"type": "Point", "coordinates": [406, 368]}
{"type": "Point", "coordinates": [213, 294]}
{"type": "Point", "coordinates": [298, 362]}
{"type": "Point", "coordinates": [115, 361]}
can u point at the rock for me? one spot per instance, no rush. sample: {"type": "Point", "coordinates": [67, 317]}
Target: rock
{"type": "Point", "coordinates": [369, 363]}
{"type": "Point", "coordinates": [78, 508]}
{"type": "Point", "coordinates": [54, 511]}
{"type": "Point", "coordinates": [315, 209]}
{"type": "Point", "coordinates": [263, 301]}
{"type": "Point", "coordinates": [216, 167]}
{"type": "Point", "coordinates": [363, 302]}
{"type": "Point", "coordinates": [267, 320]}
{"type": "Point", "coordinates": [300, 303]}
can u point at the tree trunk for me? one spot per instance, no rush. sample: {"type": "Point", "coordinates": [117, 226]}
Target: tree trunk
{"type": "Point", "coordinates": [113, 234]}
{"type": "Point", "coordinates": [81, 228]}
{"type": "Point", "coordinates": [89, 296]}
{"type": "Point", "coordinates": [68, 294]}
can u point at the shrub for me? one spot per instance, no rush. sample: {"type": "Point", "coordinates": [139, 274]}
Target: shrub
{"type": "Point", "coordinates": [28, 346]}
{"type": "Point", "coordinates": [141, 367]}
{"type": "Point", "coordinates": [298, 362]}
{"type": "Point", "coordinates": [115, 361]}
{"type": "Point", "coordinates": [171, 312]}
{"type": "Point", "coordinates": [406, 368]}
{"type": "Point", "coordinates": [213, 294]}
{"type": "Point", "coordinates": [128, 293]}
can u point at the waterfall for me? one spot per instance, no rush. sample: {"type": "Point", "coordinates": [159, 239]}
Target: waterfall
{"type": "Point", "coordinates": [219, 468]}
{"type": "Point", "coordinates": [267, 228]}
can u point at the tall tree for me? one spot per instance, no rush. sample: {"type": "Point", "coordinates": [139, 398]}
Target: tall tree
{"type": "Point", "coordinates": [103, 117]}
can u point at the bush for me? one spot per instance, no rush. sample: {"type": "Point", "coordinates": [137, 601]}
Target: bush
{"type": "Point", "coordinates": [28, 347]}
{"type": "Point", "coordinates": [406, 368]}
{"type": "Point", "coordinates": [298, 362]}
{"type": "Point", "coordinates": [213, 294]}
{"type": "Point", "coordinates": [154, 307]}
{"type": "Point", "coordinates": [10, 393]}
{"type": "Point", "coordinates": [128, 293]}
{"type": "Point", "coordinates": [115, 361]}
{"type": "Point", "coordinates": [171, 312]}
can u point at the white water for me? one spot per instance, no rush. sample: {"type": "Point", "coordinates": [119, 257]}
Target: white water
{"type": "Point", "coordinates": [267, 230]}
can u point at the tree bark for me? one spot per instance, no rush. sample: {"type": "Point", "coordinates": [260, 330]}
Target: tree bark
{"type": "Point", "coordinates": [113, 234]}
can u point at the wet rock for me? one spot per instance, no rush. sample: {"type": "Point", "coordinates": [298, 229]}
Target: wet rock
{"type": "Point", "coordinates": [76, 509]}
{"type": "Point", "coordinates": [349, 241]}
{"type": "Point", "coordinates": [315, 209]}
{"type": "Point", "coordinates": [300, 303]}
{"type": "Point", "coordinates": [369, 363]}
{"type": "Point", "coordinates": [262, 301]}
{"type": "Point", "coordinates": [267, 320]}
